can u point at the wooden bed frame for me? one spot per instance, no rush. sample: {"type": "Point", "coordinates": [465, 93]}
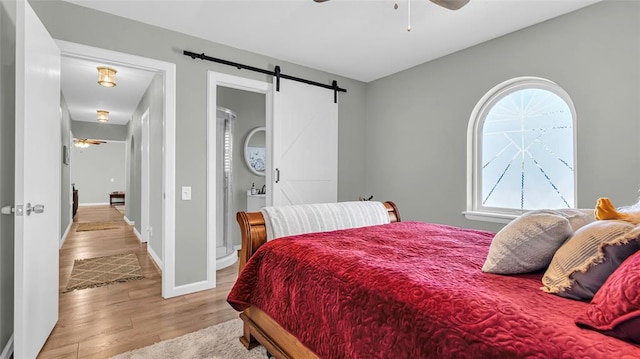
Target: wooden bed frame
{"type": "Point", "coordinates": [259, 328]}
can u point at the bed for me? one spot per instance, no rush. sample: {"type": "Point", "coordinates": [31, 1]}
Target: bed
{"type": "Point", "coordinates": [400, 290]}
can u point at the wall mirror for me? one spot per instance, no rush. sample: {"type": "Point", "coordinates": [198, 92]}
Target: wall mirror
{"type": "Point", "coordinates": [255, 155]}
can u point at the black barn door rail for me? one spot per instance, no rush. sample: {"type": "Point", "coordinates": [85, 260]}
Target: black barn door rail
{"type": "Point", "coordinates": [334, 85]}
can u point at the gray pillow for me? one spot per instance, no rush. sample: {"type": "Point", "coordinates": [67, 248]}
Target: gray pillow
{"type": "Point", "coordinates": [528, 243]}
{"type": "Point", "coordinates": [578, 217]}
{"type": "Point", "coordinates": [585, 261]}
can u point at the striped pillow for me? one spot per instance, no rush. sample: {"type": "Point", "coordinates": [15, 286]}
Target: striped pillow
{"type": "Point", "coordinates": [583, 263]}
{"type": "Point", "coordinates": [528, 242]}
{"type": "Point", "coordinates": [285, 221]}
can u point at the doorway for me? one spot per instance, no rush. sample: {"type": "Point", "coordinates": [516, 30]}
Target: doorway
{"type": "Point", "coordinates": [161, 251]}
{"type": "Point", "coordinates": [220, 89]}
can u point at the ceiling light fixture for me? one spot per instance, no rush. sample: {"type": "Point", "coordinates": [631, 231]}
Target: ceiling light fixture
{"type": "Point", "coordinates": [106, 76]}
{"type": "Point", "coordinates": [103, 116]}
{"type": "Point", "coordinates": [81, 144]}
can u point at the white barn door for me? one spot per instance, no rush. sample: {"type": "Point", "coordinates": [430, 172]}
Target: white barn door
{"type": "Point", "coordinates": [37, 183]}
{"type": "Point", "coordinates": [305, 145]}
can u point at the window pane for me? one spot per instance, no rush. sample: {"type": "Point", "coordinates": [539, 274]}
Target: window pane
{"type": "Point", "coordinates": [527, 152]}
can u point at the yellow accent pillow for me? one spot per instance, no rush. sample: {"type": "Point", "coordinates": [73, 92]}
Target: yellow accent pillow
{"type": "Point", "coordinates": [606, 210]}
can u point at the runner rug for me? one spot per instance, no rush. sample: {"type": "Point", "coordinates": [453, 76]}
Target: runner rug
{"type": "Point", "coordinates": [95, 226]}
{"type": "Point", "coordinates": [96, 272]}
{"type": "Point", "coordinates": [215, 342]}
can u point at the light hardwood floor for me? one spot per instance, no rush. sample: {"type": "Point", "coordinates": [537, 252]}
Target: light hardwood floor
{"type": "Point", "coordinates": [104, 321]}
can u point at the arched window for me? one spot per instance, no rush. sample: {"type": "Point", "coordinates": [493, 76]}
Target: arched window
{"type": "Point", "coordinates": [521, 150]}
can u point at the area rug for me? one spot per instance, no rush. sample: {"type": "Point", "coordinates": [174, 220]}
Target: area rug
{"type": "Point", "coordinates": [215, 342]}
{"type": "Point", "coordinates": [96, 272]}
{"type": "Point", "coordinates": [95, 226]}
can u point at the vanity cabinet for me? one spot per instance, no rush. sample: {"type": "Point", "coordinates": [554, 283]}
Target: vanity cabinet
{"type": "Point", "coordinates": [255, 201]}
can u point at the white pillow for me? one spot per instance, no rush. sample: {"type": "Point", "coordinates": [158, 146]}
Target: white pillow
{"type": "Point", "coordinates": [528, 243]}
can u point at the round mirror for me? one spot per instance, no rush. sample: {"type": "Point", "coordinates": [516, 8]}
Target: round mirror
{"type": "Point", "coordinates": [255, 155]}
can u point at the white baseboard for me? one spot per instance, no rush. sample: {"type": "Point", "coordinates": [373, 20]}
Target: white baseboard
{"type": "Point", "coordinates": [93, 204]}
{"type": "Point", "coordinates": [155, 258]}
{"type": "Point", "coordinates": [7, 352]}
{"type": "Point", "coordinates": [66, 233]}
{"type": "Point", "coordinates": [129, 222]}
{"type": "Point", "coordinates": [135, 231]}
{"type": "Point", "coordinates": [190, 288]}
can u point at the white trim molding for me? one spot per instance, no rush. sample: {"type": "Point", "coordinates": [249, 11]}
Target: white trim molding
{"type": "Point", "coordinates": [475, 210]}
{"type": "Point", "coordinates": [138, 235]}
{"type": "Point", "coordinates": [193, 287]}
{"type": "Point", "coordinates": [155, 257]}
{"type": "Point", "coordinates": [7, 352]}
{"type": "Point", "coordinates": [66, 233]}
{"type": "Point", "coordinates": [489, 216]}
{"type": "Point", "coordinates": [215, 79]}
{"type": "Point", "coordinates": [129, 222]}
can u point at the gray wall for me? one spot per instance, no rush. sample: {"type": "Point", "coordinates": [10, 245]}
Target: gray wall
{"type": "Point", "coordinates": [7, 163]}
{"type": "Point", "coordinates": [153, 100]}
{"type": "Point", "coordinates": [100, 131]}
{"type": "Point", "coordinates": [249, 108]}
{"type": "Point", "coordinates": [93, 169]}
{"type": "Point", "coordinates": [66, 200]}
{"type": "Point", "coordinates": [422, 113]}
{"type": "Point", "coordinates": [73, 23]}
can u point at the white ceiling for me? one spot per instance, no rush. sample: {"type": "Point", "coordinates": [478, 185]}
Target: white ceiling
{"type": "Point", "coordinates": [79, 84]}
{"type": "Point", "coordinates": [359, 39]}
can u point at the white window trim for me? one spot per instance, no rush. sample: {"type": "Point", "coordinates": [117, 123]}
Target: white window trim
{"type": "Point", "coordinates": [478, 213]}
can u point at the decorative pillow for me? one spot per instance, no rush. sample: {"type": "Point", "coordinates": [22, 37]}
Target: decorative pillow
{"type": "Point", "coordinates": [606, 210]}
{"type": "Point", "coordinates": [578, 218]}
{"type": "Point", "coordinates": [585, 261]}
{"type": "Point", "coordinates": [615, 309]}
{"type": "Point", "coordinates": [282, 221]}
{"type": "Point", "coordinates": [528, 242]}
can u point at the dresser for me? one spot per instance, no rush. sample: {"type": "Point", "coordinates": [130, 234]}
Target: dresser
{"type": "Point", "coordinates": [75, 201]}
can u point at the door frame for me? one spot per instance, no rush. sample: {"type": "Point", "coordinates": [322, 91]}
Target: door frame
{"type": "Point", "coordinates": [215, 79]}
{"type": "Point", "coordinates": [144, 176]}
{"type": "Point", "coordinates": [168, 70]}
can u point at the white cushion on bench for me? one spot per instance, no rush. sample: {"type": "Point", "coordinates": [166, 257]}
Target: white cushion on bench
{"type": "Point", "coordinates": [282, 221]}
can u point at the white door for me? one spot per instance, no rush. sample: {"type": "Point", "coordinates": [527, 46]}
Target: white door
{"type": "Point", "coordinates": [37, 183]}
{"type": "Point", "coordinates": [305, 145]}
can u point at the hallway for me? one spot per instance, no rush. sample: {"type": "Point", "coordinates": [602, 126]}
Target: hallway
{"type": "Point", "coordinates": [104, 321]}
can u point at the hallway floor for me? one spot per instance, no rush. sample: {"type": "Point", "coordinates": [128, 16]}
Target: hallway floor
{"type": "Point", "coordinates": [104, 321]}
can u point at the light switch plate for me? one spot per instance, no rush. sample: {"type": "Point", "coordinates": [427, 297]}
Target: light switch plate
{"type": "Point", "coordinates": [186, 193]}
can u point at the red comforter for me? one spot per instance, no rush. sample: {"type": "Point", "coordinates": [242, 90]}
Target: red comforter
{"type": "Point", "coordinates": [411, 290]}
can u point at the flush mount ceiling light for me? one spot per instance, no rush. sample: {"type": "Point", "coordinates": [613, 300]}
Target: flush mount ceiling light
{"type": "Point", "coordinates": [81, 144]}
{"type": "Point", "coordinates": [85, 142]}
{"type": "Point", "coordinates": [103, 116]}
{"type": "Point", "coordinates": [106, 76]}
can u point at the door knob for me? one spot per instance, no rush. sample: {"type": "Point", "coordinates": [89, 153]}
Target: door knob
{"type": "Point", "coordinates": [37, 209]}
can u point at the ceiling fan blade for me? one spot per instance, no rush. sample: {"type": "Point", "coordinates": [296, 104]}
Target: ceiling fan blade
{"type": "Point", "coordinates": [320, 0]}
{"type": "Point", "coordinates": [451, 4]}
